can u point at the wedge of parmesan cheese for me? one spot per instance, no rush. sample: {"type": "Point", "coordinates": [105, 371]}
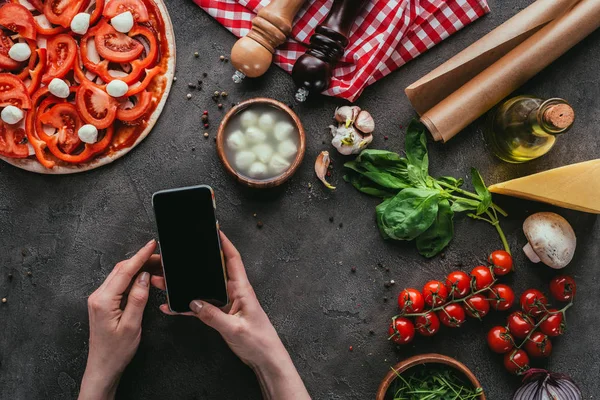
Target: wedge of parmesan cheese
{"type": "Point", "coordinates": [575, 186]}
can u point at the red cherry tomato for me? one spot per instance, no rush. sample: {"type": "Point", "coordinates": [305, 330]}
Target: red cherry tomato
{"type": "Point", "coordinates": [136, 7]}
{"type": "Point", "coordinates": [411, 301]}
{"type": "Point", "coordinates": [428, 324]}
{"type": "Point", "coordinates": [538, 345]}
{"type": "Point", "coordinates": [458, 284]}
{"type": "Point", "coordinates": [516, 362]}
{"type": "Point", "coordinates": [501, 261]}
{"type": "Point", "coordinates": [481, 277]}
{"type": "Point", "coordinates": [435, 293]}
{"type": "Point", "coordinates": [477, 306]}
{"type": "Point", "coordinates": [533, 302]}
{"type": "Point", "coordinates": [12, 141]}
{"type": "Point", "coordinates": [401, 331]}
{"type": "Point", "coordinates": [520, 324]}
{"type": "Point", "coordinates": [554, 324]}
{"type": "Point", "coordinates": [500, 340]}
{"type": "Point", "coordinates": [62, 50]}
{"type": "Point", "coordinates": [501, 297]}
{"type": "Point", "coordinates": [452, 315]}
{"type": "Point", "coordinates": [17, 18]}
{"type": "Point", "coordinates": [563, 288]}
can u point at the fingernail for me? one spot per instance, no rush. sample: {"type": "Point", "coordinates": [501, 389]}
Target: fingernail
{"type": "Point", "coordinates": [144, 278]}
{"type": "Point", "coordinates": [196, 306]}
{"type": "Point", "coordinates": [150, 243]}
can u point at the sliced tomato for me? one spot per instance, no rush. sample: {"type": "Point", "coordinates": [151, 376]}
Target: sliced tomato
{"type": "Point", "coordinates": [62, 50]}
{"type": "Point", "coordinates": [17, 18]}
{"type": "Point", "coordinates": [116, 46]}
{"type": "Point", "coordinates": [141, 86]}
{"type": "Point", "coordinates": [13, 92]}
{"type": "Point", "coordinates": [95, 106]}
{"type": "Point", "coordinates": [61, 12]}
{"type": "Point", "coordinates": [139, 109]}
{"type": "Point", "coordinates": [66, 120]}
{"type": "Point", "coordinates": [137, 8]}
{"type": "Point", "coordinates": [44, 27]}
{"type": "Point", "coordinates": [37, 72]}
{"type": "Point", "coordinates": [5, 61]}
{"type": "Point", "coordinates": [12, 142]}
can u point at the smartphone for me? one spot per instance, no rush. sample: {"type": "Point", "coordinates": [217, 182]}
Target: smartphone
{"type": "Point", "coordinates": [190, 247]}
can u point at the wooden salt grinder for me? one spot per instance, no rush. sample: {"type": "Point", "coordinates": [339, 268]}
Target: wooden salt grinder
{"type": "Point", "coordinates": [252, 55]}
{"type": "Point", "coordinates": [312, 71]}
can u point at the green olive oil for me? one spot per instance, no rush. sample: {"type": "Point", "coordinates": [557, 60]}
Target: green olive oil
{"type": "Point", "coordinates": [524, 128]}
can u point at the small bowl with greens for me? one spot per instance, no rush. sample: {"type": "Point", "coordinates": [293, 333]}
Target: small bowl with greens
{"type": "Point", "coordinates": [430, 377]}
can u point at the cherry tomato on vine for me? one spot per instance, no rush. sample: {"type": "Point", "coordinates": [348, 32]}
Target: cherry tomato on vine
{"type": "Point", "coordinates": [516, 361]}
{"type": "Point", "coordinates": [500, 340]}
{"type": "Point", "coordinates": [435, 293]}
{"type": "Point", "coordinates": [520, 324]}
{"type": "Point", "coordinates": [501, 297]}
{"type": "Point", "coordinates": [411, 301]}
{"type": "Point", "coordinates": [554, 324]}
{"type": "Point", "coordinates": [481, 277]}
{"type": "Point", "coordinates": [502, 262]}
{"type": "Point", "coordinates": [452, 315]}
{"type": "Point", "coordinates": [563, 288]}
{"type": "Point", "coordinates": [538, 345]}
{"type": "Point", "coordinates": [401, 331]}
{"type": "Point", "coordinates": [458, 284]}
{"type": "Point", "coordinates": [428, 324]}
{"type": "Point", "coordinates": [477, 306]}
{"type": "Point", "coordinates": [533, 302]}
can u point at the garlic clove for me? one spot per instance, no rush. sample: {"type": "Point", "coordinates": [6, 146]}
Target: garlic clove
{"type": "Point", "coordinates": [346, 114]}
{"type": "Point", "coordinates": [321, 167]}
{"type": "Point", "coordinates": [364, 122]}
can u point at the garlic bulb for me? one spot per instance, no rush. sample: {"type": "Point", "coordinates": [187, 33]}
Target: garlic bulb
{"type": "Point", "coordinates": [364, 122]}
{"type": "Point", "coordinates": [349, 140]}
{"type": "Point", "coordinates": [346, 115]}
{"type": "Point", "coordinates": [321, 167]}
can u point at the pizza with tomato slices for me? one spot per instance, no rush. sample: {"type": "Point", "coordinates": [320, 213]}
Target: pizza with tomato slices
{"type": "Point", "coordinates": [82, 82]}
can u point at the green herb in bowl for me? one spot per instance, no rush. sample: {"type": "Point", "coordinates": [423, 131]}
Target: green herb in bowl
{"type": "Point", "coordinates": [432, 382]}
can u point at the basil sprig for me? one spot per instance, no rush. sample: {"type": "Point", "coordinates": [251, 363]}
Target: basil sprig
{"type": "Point", "coordinates": [417, 206]}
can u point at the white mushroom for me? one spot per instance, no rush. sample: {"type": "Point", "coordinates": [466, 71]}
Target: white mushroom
{"type": "Point", "coordinates": [551, 239]}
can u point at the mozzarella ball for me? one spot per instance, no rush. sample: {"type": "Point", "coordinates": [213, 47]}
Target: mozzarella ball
{"type": "Point", "coordinates": [244, 159]}
{"type": "Point", "coordinates": [266, 122]}
{"type": "Point", "coordinates": [122, 22]}
{"type": "Point", "coordinates": [236, 140]}
{"type": "Point", "coordinates": [80, 23]}
{"type": "Point", "coordinates": [255, 135]}
{"type": "Point", "coordinates": [11, 115]}
{"type": "Point", "coordinates": [19, 52]}
{"type": "Point", "coordinates": [263, 152]}
{"type": "Point", "coordinates": [283, 130]}
{"type": "Point", "coordinates": [278, 165]}
{"type": "Point", "coordinates": [88, 133]}
{"type": "Point", "coordinates": [287, 149]}
{"type": "Point", "coordinates": [117, 88]}
{"type": "Point", "coordinates": [59, 88]}
{"type": "Point", "coordinates": [257, 170]}
{"type": "Point", "coordinates": [248, 119]}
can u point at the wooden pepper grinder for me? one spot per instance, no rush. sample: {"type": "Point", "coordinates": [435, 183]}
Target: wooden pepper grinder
{"type": "Point", "coordinates": [252, 55]}
{"type": "Point", "coordinates": [312, 71]}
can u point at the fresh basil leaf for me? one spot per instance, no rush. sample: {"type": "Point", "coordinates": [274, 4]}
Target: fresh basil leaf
{"type": "Point", "coordinates": [462, 204]}
{"type": "Point", "coordinates": [382, 178]}
{"type": "Point", "coordinates": [439, 234]}
{"type": "Point", "coordinates": [416, 146]}
{"type": "Point", "coordinates": [367, 186]}
{"type": "Point", "coordinates": [410, 213]}
{"type": "Point", "coordinates": [379, 210]}
{"type": "Point", "coordinates": [415, 176]}
{"type": "Point", "coordinates": [450, 180]}
{"type": "Point", "coordinates": [482, 191]}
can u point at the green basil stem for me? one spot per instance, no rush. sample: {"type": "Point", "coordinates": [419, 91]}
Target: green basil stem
{"type": "Point", "coordinates": [545, 317]}
{"type": "Point", "coordinates": [471, 195]}
{"type": "Point", "coordinates": [496, 223]}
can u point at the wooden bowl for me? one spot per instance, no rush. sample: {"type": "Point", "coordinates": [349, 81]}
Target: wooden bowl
{"type": "Point", "coordinates": [432, 358]}
{"type": "Point", "coordinates": [261, 183]}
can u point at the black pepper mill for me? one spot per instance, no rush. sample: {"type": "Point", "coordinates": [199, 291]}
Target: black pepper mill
{"type": "Point", "coordinates": [312, 71]}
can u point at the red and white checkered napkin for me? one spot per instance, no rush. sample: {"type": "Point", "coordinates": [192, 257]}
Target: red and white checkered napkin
{"type": "Point", "coordinates": [386, 35]}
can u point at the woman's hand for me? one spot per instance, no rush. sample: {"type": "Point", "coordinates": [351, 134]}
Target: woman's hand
{"type": "Point", "coordinates": [115, 330]}
{"type": "Point", "coordinates": [247, 330]}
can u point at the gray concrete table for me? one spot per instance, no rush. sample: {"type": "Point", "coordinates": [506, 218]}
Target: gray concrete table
{"type": "Point", "coordinates": [69, 231]}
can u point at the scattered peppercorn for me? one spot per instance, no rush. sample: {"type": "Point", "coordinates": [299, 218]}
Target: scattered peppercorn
{"type": "Point", "coordinates": [442, 255]}
{"type": "Point", "coordinates": [199, 82]}
{"type": "Point", "coordinates": [380, 265]}
{"type": "Point", "coordinates": [353, 269]}
{"type": "Point", "coordinates": [204, 117]}
{"type": "Point", "coordinates": [193, 149]}
{"type": "Point", "coordinates": [4, 300]}
{"type": "Point", "coordinates": [10, 276]}
{"type": "Point", "coordinates": [259, 224]}
{"type": "Point", "coordinates": [192, 85]}
{"type": "Point", "coordinates": [323, 142]}
{"type": "Point", "coordinates": [205, 112]}
{"type": "Point", "coordinates": [371, 332]}
{"type": "Point", "coordinates": [206, 126]}
{"type": "Point", "coordinates": [226, 59]}
{"type": "Point", "coordinates": [204, 74]}
{"type": "Point", "coordinates": [196, 54]}
{"type": "Point", "coordinates": [174, 79]}
{"type": "Point", "coordinates": [29, 273]}
{"type": "Point", "coordinates": [222, 58]}
{"type": "Point", "coordinates": [392, 282]}
{"type": "Point", "coordinates": [341, 225]}
{"type": "Point", "coordinates": [189, 96]}
{"type": "Point", "coordinates": [220, 105]}
{"type": "Point", "coordinates": [387, 284]}
{"type": "Point", "coordinates": [328, 173]}
{"type": "Point", "coordinates": [385, 138]}
{"type": "Point", "coordinates": [224, 94]}
{"type": "Point", "coordinates": [254, 215]}
{"type": "Point", "coordinates": [385, 299]}
{"type": "Point", "coordinates": [205, 134]}
{"type": "Point", "coordinates": [350, 348]}
{"type": "Point", "coordinates": [330, 219]}
{"type": "Point", "coordinates": [387, 270]}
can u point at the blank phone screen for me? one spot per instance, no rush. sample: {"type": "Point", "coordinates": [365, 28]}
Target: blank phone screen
{"type": "Point", "coordinates": [190, 247]}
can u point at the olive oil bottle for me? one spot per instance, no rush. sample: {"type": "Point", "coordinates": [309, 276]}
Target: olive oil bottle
{"type": "Point", "coordinates": [524, 128]}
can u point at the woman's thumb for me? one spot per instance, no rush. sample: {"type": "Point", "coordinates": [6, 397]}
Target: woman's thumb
{"type": "Point", "coordinates": [210, 315]}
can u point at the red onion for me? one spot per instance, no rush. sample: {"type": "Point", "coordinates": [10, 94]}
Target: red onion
{"type": "Point", "coordinates": [539, 384]}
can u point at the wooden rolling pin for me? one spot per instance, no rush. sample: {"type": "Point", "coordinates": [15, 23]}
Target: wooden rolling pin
{"type": "Point", "coordinates": [312, 71]}
{"type": "Point", "coordinates": [252, 55]}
